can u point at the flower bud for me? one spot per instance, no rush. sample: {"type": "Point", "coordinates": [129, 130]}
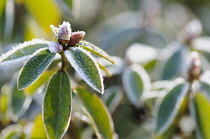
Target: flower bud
{"type": "Point", "coordinates": [63, 33]}
{"type": "Point", "coordinates": [194, 67]}
{"type": "Point", "coordinates": [191, 31]}
{"type": "Point", "coordinates": [55, 47]}
{"type": "Point", "coordinates": [76, 37]}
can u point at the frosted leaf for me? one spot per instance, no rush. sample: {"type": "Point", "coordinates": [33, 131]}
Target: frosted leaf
{"type": "Point", "coordinates": [23, 51]}
{"type": "Point", "coordinates": [140, 53]}
{"type": "Point", "coordinates": [55, 47]}
{"type": "Point", "coordinates": [95, 50]}
{"type": "Point", "coordinates": [86, 66]}
{"type": "Point", "coordinates": [136, 82]}
{"type": "Point", "coordinates": [33, 69]}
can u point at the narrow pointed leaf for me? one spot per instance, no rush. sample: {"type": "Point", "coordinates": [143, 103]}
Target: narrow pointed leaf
{"type": "Point", "coordinates": [169, 107]}
{"type": "Point", "coordinates": [135, 82]}
{"type": "Point", "coordinates": [98, 114]}
{"type": "Point", "coordinates": [57, 105]}
{"type": "Point", "coordinates": [95, 50]}
{"type": "Point", "coordinates": [38, 131]}
{"type": "Point", "coordinates": [86, 66]}
{"type": "Point", "coordinates": [200, 109]}
{"type": "Point", "coordinates": [172, 60]}
{"type": "Point", "coordinates": [105, 70]}
{"type": "Point", "coordinates": [34, 68]}
{"type": "Point", "coordinates": [23, 51]}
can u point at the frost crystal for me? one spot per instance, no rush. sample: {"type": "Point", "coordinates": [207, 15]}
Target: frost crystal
{"type": "Point", "coordinates": [20, 48]}
{"type": "Point", "coordinates": [55, 47]}
{"type": "Point", "coordinates": [76, 37]}
{"type": "Point", "coordinates": [64, 31]}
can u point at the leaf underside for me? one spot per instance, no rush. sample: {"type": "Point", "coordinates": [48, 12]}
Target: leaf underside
{"type": "Point", "coordinates": [95, 50]}
{"type": "Point", "coordinates": [34, 68]}
{"type": "Point", "coordinates": [87, 68]}
{"type": "Point", "coordinates": [57, 105]}
{"type": "Point", "coordinates": [98, 113]}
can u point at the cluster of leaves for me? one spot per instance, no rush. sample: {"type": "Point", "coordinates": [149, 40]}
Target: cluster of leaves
{"type": "Point", "coordinates": [156, 91]}
{"type": "Point", "coordinates": [182, 88]}
{"type": "Point", "coordinates": [57, 102]}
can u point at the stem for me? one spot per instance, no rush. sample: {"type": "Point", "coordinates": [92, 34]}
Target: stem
{"type": "Point", "coordinates": [63, 60]}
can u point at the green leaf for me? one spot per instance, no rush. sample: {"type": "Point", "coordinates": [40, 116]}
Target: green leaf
{"type": "Point", "coordinates": [105, 70]}
{"type": "Point", "coordinates": [98, 114]}
{"type": "Point", "coordinates": [112, 97]}
{"type": "Point", "coordinates": [2, 6]}
{"type": "Point", "coordinates": [57, 105]}
{"type": "Point", "coordinates": [44, 16]}
{"type": "Point", "coordinates": [135, 82]}
{"type": "Point", "coordinates": [42, 80]}
{"type": "Point", "coordinates": [86, 66]}
{"type": "Point", "coordinates": [172, 60]}
{"type": "Point", "coordinates": [95, 50]}
{"type": "Point", "coordinates": [200, 109]}
{"type": "Point", "coordinates": [38, 131]}
{"type": "Point", "coordinates": [23, 51]}
{"type": "Point", "coordinates": [169, 107]}
{"type": "Point", "coordinates": [19, 101]}
{"type": "Point", "coordinates": [34, 68]}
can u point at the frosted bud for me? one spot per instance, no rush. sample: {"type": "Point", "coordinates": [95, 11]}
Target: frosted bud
{"type": "Point", "coordinates": [64, 33]}
{"type": "Point", "coordinates": [55, 47]}
{"type": "Point", "coordinates": [76, 37]}
{"type": "Point", "coordinates": [194, 67]}
{"type": "Point", "coordinates": [191, 31]}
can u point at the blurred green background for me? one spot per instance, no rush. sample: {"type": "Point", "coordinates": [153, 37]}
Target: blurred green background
{"type": "Point", "coordinates": [114, 26]}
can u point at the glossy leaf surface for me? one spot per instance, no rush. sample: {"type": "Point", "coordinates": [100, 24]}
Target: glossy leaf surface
{"type": "Point", "coordinates": [135, 82]}
{"type": "Point", "coordinates": [98, 114]}
{"type": "Point", "coordinates": [170, 106]}
{"type": "Point", "coordinates": [57, 105]}
{"type": "Point", "coordinates": [86, 66]}
{"type": "Point", "coordinates": [23, 51]}
{"type": "Point", "coordinates": [34, 68]}
{"type": "Point", "coordinates": [200, 109]}
{"type": "Point", "coordinates": [95, 50]}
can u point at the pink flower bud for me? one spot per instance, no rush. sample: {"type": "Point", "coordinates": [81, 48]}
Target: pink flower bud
{"type": "Point", "coordinates": [194, 67]}
{"type": "Point", "coordinates": [55, 47]}
{"type": "Point", "coordinates": [76, 37]}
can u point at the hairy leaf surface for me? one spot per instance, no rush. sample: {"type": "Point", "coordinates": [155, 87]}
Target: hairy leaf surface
{"type": "Point", "coordinates": [95, 50]}
{"type": "Point", "coordinates": [34, 68]}
{"type": "Point", "coordinates": [86, 66]}
{"type": "Point", "coordinates": [23, 51]}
